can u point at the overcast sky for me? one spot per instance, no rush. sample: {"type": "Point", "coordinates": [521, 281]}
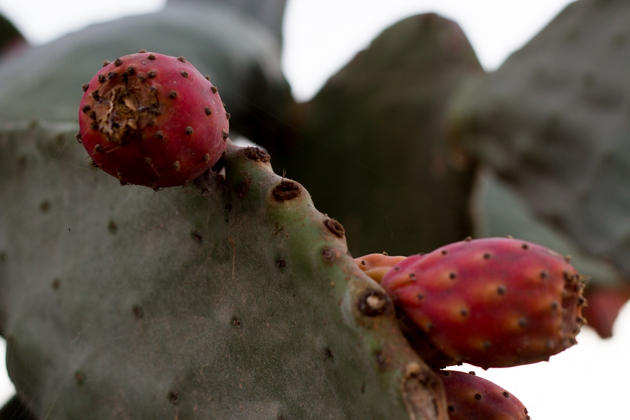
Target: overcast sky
{"type": "Point", "coordinates": [320, 36]}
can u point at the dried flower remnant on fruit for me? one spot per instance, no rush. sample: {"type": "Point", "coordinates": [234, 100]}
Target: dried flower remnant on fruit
{"type": "Point", "coordinates": [122, 119]}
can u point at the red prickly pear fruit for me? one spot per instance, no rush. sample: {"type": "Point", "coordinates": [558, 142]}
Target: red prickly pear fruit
{"type": "Point", "coordinates": [152, 119]}
{"type": "Point", "coordinates": [376, 265]}
{"type": "Point", "coordinates": [492, 302]}
{"type": "Point", "coordinates": [470, 397]}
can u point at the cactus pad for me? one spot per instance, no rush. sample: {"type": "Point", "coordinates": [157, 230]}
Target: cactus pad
{"type": "Point", "coordinates": [231, 298]}
{"type": "Point", "coordinates": [553, 122]}
{"type": "Point", "coordinates": [374, 149]}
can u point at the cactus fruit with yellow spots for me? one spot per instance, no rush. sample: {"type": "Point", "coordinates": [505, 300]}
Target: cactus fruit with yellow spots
{"type": "Point", "coordinates": [152, 119]}
{"type": "Point", "coordinates": [492, 302]}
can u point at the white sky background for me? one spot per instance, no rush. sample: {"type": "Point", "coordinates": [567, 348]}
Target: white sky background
{"type": "Point", "coordinates": [584, 382]}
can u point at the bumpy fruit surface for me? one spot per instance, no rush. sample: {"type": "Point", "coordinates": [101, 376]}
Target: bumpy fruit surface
{"type": "Point", "coordinates": [376, 265]}
{"type": "Point", "coordinates": [492, 302]}
{"type": "Point", "coordinates": [470, 397]}
{"type": "Point", "coordinates": [152, 119]}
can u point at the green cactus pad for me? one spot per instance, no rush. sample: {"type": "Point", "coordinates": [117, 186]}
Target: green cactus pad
{"type": "Point", "coordinates": [374, 151]}
{"type": "Point", "coordinates": [233, 298]}
{"type": "Point", "coordinates": [241, 56]}
{"type": "Point", "coordinates": [553, 122]}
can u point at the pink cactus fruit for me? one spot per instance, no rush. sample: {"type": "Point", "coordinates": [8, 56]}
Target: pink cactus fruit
{"type": "Point", "coordinates": [376, 265]}
{"type": "Point", "coordinates": [492, 302]}
{"type": "Point", "coordinates": [470, 397]}
{"type": "Point", "coordinates": [153, 120]}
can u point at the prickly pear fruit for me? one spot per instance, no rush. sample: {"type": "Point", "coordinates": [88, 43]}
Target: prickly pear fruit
{"type": "Point", "coordinates": [152, 119]}
{"type": "Point", "coordinates": [376, 265]}
{"type": "Point", "coordinates": [492, 302]}
{"type": "Point", "coordinates": [470, 397]}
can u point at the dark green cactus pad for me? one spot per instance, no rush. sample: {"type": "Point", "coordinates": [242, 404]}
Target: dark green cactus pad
{"type": "Point", "coordinates": [233, 298]}
{"type": "Point", "coordinates": [554, 122]}
{"type": "Point", "coordinates": [373, 150]}
{"type": "Point", "coordinates": [241, 56]}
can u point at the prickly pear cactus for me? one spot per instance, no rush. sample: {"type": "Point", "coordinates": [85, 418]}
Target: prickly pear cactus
{"type": "Point", "coordinates": [232, 298]}
{"type": "Point", "coordinates": [374, 151]}
{"type": "Point", "coordinates": [242, 56]}
{"type": "Point", "coordinates": [553, 123]}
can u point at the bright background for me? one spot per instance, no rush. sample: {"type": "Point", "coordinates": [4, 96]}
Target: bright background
{"type": "Point", "coordinates": [587, 381]}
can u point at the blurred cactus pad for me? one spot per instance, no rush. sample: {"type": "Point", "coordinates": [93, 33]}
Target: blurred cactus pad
{"type": "Point", "coordinates": [267, 12]}
{"type": "Point", "coordinates": [373, 148]}
{"type": "Point", "coordinates": [553, 121]}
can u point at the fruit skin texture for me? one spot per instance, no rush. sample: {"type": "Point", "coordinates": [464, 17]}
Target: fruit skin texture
{"type": "Point", "coordinates": [470, 397]}
{"type": "Point", "coordinates": [152, 119]}
{"type": "Point", "coordinates": [492, 302]}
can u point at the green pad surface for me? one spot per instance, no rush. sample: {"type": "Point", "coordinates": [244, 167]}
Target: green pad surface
{"type": "Point", "coordinates": [233, 298]}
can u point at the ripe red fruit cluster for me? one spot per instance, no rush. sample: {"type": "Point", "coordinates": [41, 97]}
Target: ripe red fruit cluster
{"type": "Point", "coordinates": [492, 302]}
{"type": "Point", "coordinates": [152, 119]}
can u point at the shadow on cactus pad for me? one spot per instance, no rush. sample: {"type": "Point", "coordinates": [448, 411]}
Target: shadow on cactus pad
{"type": "Point", "coordinates": [373, 148]}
